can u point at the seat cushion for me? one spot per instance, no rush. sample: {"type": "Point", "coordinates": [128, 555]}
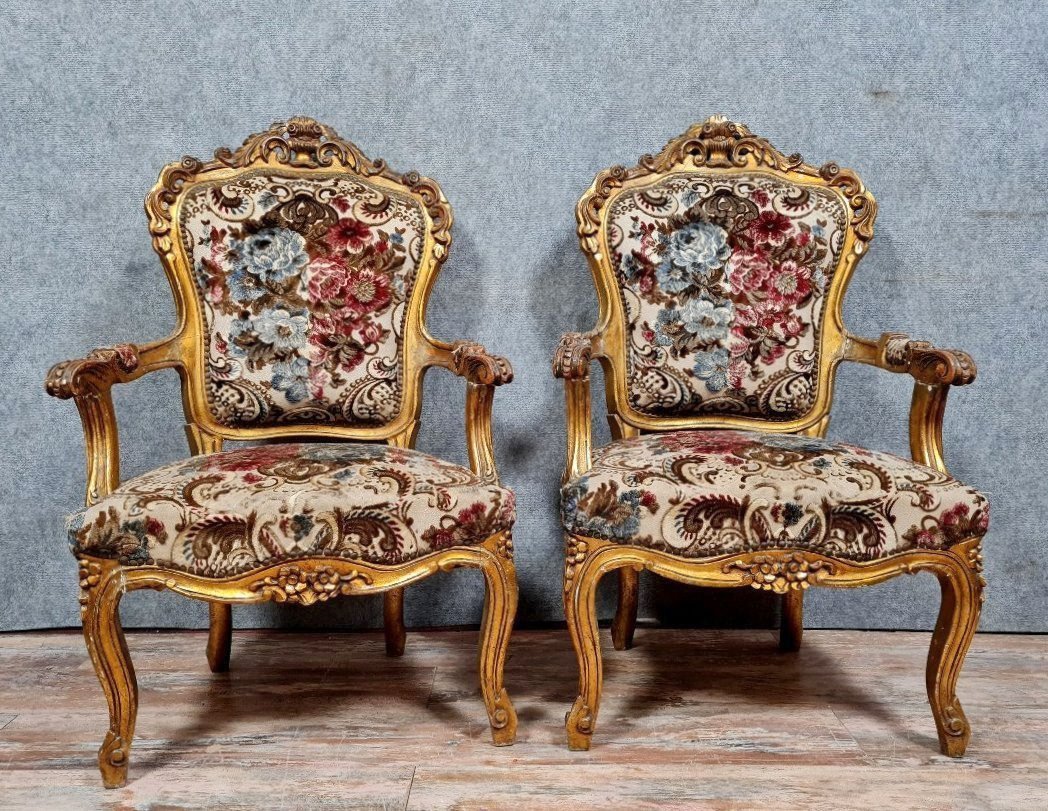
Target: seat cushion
{"type": "Point", "coordinates": [240, 510]}
{"type": "Point", "coordinates": [699, 494]}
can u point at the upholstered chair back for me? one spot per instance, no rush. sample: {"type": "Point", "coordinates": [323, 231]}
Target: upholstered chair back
{"type": "Point", "coordinates": [722, 264]}
{"type": "Point", "coordinates": [302, 268]}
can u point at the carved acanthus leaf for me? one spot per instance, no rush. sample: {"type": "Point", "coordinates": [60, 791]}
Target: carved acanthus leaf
{"type": "Point", "coordinates": [572, 358]}
{"type": "Point", "coordinates": [93, 374]}
{"type": "Point", "coordinates": [473, 362]}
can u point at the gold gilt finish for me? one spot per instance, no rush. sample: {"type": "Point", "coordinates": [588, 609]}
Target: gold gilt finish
{"type": "Point", "coordinates": [718, 146]}
{"type": "Point", "coordinates": [300, 146]}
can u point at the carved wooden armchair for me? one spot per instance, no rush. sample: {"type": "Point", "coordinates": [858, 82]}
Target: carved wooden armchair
{"type": "Point", "coordinates": [301, 271]}
{"type": "Point", "coordinates": [720, 266]}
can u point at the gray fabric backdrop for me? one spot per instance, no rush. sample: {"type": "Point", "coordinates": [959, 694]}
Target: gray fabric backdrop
{"type": "Point", "coordinates": [939, 106]}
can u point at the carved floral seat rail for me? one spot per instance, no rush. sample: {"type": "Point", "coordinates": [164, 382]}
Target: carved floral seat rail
{"type": "Point", "coordinates": [300, 271]}
{"type": "Point", "coordinates": [721, 266]}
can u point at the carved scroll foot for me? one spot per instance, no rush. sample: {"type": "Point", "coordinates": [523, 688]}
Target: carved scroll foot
{"type": "Point", "coordinates": [962, 585]}
{"type": "Point", "coordinates": [791, 627]}
{"type": "Point", "coordinates": [625, 622]}
{"type": "Point", "coordinates": [393, 620]}
{"type": "Point", "coordinates": [580, 590]}
{"type": "Point", "coordinates": [101, 587]}
{"type": "Point", "coordinates": [500, 609]}
{"type": "Point", "coordinates": [219, 636]}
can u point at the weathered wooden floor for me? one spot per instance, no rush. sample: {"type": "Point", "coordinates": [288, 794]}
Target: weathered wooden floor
{"type": "Point", "coordinates": [691, 719]}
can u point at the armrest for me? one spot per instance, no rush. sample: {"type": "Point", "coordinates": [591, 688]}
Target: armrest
{"type": "Point", "coordinates": [933, 370]}
{"type": "Point", "coordinates": [482, 372]}
{"type": "Point", "coordinates": [88, 381]}
{"type": "Point", "coordinates": [571, 363]}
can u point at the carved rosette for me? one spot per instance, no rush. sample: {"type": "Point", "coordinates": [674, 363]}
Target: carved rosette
{"type": "Point", "coordinates": [575, 554]}
{"type": "Point", "coordinates": [293, 584]}
{"type": "Point", "coordinates": [90, 576]}
{"type": "Point", "coordinates": [780, 573]}
{"type": "Point", "coordinates": [975, 563]}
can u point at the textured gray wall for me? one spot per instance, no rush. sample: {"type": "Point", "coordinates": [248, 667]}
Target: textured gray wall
{"type": "Point", "coordinates": [939, 106]}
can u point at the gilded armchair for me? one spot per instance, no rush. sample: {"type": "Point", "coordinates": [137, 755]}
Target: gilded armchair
{"type": "Point", "coordinates": [300, 271]}
{"type": "Point", "coordinates": [720, 266]}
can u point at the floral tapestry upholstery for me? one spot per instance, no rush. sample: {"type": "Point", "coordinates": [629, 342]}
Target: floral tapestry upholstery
{"type": "Point", "coordinates": [303, 284]}
{"type": "Point", "coordinates": [723, 280]}
{"type": "Point", "coordinates": [236, 511]}
{"type": "Point", "coordinates": [700, 494]}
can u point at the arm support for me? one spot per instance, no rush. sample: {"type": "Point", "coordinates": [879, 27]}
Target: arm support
{"type": "Point", "coordinates": [87, 381]}
{"type": "Point", "coordinates": [933, 370]}
{"type": "Point", "coordinates": [483, 372]}
{"type": "Point", "coordinates": [571, 363]}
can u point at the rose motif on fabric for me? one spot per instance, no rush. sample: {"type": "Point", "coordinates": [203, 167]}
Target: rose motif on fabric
{"type": "Point", "coordinates": [692, 253]}
{"type": "Point", "coordinates": [271, 255]}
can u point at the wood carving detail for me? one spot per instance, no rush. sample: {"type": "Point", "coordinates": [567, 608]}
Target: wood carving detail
{"type": "Point", "coordinates": [925, 363]}
{"type": "Point", "coordinates": [473, 362]}
{"type": "Point", "coordinates": [781, 573]}
{"type": "Point", "coordinates": [572, 358]}
{"type": "Point", "coordinates": [294, 584]}
{"type": "Point", "coordinates": [573, 559]}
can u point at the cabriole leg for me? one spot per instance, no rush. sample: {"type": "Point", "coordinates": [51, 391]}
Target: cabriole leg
{"type": "Point", "coordinates": [500, 609]}
{"type": "Point", "coordinates": [580, 611]}
{"type": "Point", "coordinates": [962, 586]}
{"type": "Point", "coordinates": [101, 587]}
{"type": "Point", "coordinates": [393, 621]}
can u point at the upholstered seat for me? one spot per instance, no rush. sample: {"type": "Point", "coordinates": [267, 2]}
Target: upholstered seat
{"type": "Point", "coordinates": [233, 512]}
{"type": "Point", "coordinates": [701, 494]}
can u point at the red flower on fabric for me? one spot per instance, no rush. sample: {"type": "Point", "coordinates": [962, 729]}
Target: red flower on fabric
{"type": "Point", "coordinates": [362, 290]}
{"type": "Point", "coordinates": [349, 232]}
{"type": "Point", "coordinates": [337, 346]}
{"type": "Point", "coordinates": [749, 270]}
{"type": "Point", "coordinates": [250, 459]}
{"type": "Point", "coordinates": [771, 227]}
{"type": "Point", "coordinates": [789, 283]}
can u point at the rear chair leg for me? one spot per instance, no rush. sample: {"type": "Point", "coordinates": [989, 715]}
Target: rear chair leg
{"type": "Point", "coordinates": [625, 622]}
{"type": "Point", "coordinates": [791, 628]}
{"type": "Point", "coordinates": [220, 636]}
{"type": "Point", "coordinates": [393, 616]}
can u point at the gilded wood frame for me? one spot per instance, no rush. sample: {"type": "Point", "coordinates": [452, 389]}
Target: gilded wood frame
{"type": "Point", "coordinates": [718, 146]}
{"type": "Point", "coordinates": [300, 146]}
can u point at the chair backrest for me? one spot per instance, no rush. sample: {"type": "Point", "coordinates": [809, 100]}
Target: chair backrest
{"type": "Point", "coordinates": [721, 266]}
{"type": "Point", "coordinates": [301, 271]}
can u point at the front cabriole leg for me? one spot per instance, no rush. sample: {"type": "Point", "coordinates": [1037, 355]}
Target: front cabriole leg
{"type": "Point", "coordinates": [101, 587]}
{"type": "Point", "coordinates": [500, 609]}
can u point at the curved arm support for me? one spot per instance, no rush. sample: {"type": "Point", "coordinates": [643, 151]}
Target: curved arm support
{"type": "Point", "coordinates": [933, 371]}
{"type": "Point", "coordinates": [88, 381]}
{"type": "Point", "coordinates": [571, 363]}
{"type": "Point", "coordinates": [482, 372]}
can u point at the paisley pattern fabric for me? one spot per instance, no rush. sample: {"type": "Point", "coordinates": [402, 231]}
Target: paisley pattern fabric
{"type": "Point", "coordinates": [723, 280]}
{"type": "Point", "coordinates": [236, 511]}
{"type": "Point", "coordinates": [303, 284]}
{"type": "Point", "coordinates": [698, 494]}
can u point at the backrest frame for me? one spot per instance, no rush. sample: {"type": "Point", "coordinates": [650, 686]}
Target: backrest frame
{"type": "Point", "coordinates": [716, 147]}
{"type": "Point", "coordinates": [297, 147]}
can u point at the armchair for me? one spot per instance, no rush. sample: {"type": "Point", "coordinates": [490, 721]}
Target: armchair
{"type": "Point", "coordinates": [300, 271]}
{"type": "Point", "coordinates": [720, 266]}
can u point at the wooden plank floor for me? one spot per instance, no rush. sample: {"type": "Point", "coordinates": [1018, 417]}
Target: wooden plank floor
{"type": "Point", "coordinates": [691, 719]}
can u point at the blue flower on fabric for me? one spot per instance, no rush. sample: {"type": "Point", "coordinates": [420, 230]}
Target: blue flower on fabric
{"type": "Point", "coordinates": [244, 286]}
{"type": "Point", "coordinates": [703, 321]}
{"type": "Point", "coordinates": [692, 253]}
{"type": "Point", "coordinates": [708, 320]}
{"type": "Point", "coordinates": [712, 367]}
{"type": "Point", "coordinates": [272, 255]}
{"type": "Point", "coordinates": [292, 378]}
{"type": "Point", "coordinates": [281, 329]}
{"type": "Point", "coordinates": [601, 513]}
